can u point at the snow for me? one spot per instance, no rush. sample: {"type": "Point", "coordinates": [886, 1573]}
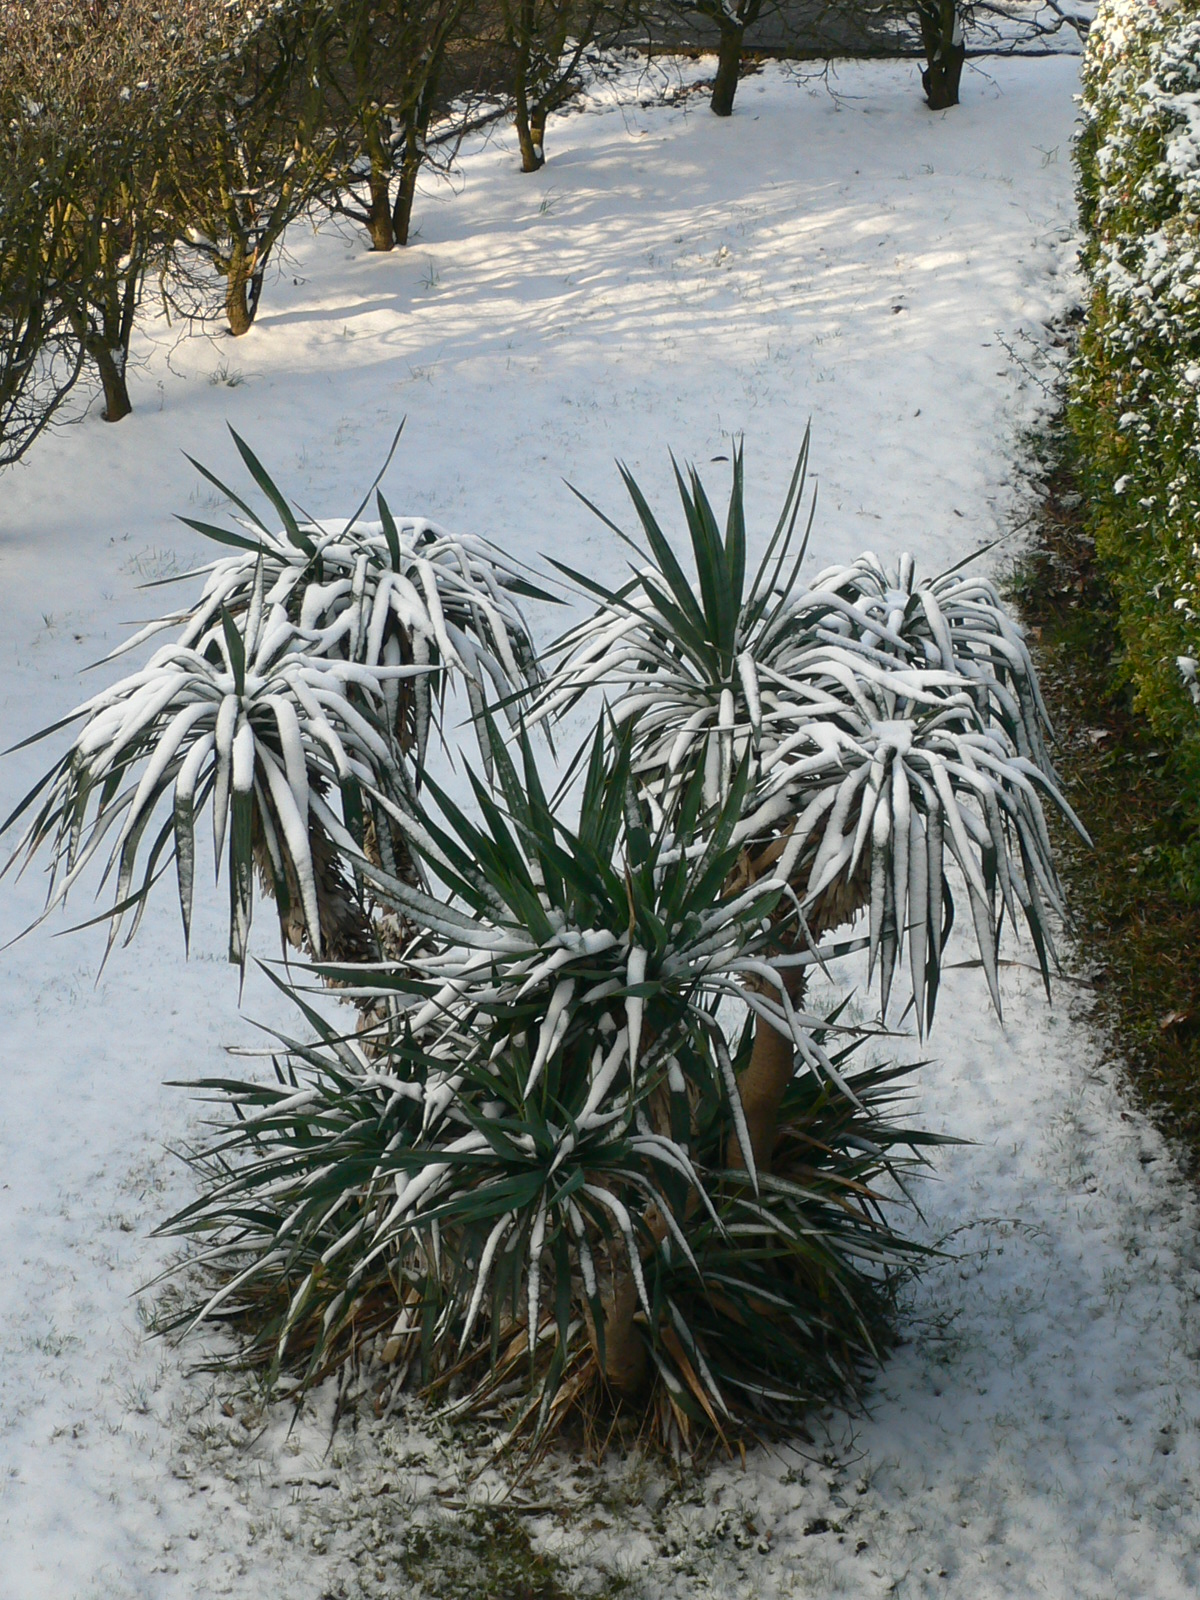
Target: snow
{"type": "Point", "coordinates": [666, 281]}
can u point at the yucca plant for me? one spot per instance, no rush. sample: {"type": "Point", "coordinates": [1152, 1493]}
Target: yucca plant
{"type": "Point", "coordinates": [583, 1144]}
{"type": "Point", "coordinates": [384, 593]}
{"type": "Point", "coordinates": [249, 724]}
{"type": "Point", "coordinates": [931, 738]}
{"type": "Point", "coordinates": [303, 681]}
{"type": "Point", "coordinates": [683, 661]}
{"type": "Point", "coordinates": [884, 722]}
{"type": "Point", "coordinates": [521, 1180]}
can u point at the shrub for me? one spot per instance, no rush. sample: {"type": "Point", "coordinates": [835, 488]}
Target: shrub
{"type": "Point", "coordinates": [302, 672]}
{"type": "Point", "coordinates": [1135, 387]}
{"type": "Point", "coordinates": [884, 721]}
{"type": "Point", "coordinates": [89, 98]}
{"type": "Point", "coordinates": [583, 1146]}
{"type": "Point", "coordinates": [529, 1149]}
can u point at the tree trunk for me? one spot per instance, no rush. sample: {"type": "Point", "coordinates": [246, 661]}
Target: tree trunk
{"type": "Point", "coordinates": [376, 147]}
{"type": "Point", "coordinates": [416, 150]}
{"type": "Point", "coordinates": [406, 194]}
{"type": "Point", "coordinates": [945, 52]}
{"type": "Point", "coordinates": [243, 286]}
{"type": "Point", "coordinates": [111, 365]}
{"type": "Point", "coordinates": [729, 62]}
{"type": "Point", "coordinates": [940, 79]}
{"type": "Point", "coordinates": [532, 154]}
{"type": "Point", "coordinates": [522, 37]}
{"type": "Point", "coordinates": [537, 129]}
{"type": "Point", "coordinates": [379, 211]}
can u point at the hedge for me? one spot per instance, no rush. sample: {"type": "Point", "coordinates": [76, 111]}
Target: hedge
{"type": "Point", "coordinates": [1134, 404]}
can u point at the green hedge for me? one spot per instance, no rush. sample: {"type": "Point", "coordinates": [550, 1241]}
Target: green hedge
{"type": "Point", "coordinates": [1134, 405]}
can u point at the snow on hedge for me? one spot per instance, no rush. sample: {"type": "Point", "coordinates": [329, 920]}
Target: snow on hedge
{"type": "Point", "coordinates": [1136, 398]}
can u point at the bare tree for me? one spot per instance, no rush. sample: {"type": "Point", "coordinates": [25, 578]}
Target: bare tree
{"type": "Point", "coordinates": [40, 360]}
{"type": "Point", "coordinates": [255, 153]}
{"type": "Point", "coordinates": [545, 42]}
{"type": "Point", "coordinates": [385, 70]}
{"type": "Point", "coordinates": [89, 97]}
{"type": "Point", "coordinates": [940, 31]}
{"type": "Point", "coordinates": [732, 18]}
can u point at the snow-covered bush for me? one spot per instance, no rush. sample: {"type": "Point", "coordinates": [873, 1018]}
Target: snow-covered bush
{"type": "Point", "coordinates": [1135, 400]}
{"type": "Point", "coordinates": [297, 699]}
{"type": "Point", "coordinates": [884, 721]}
{"type": "Point", "coordinates": [583, 1146]}
{"type": "Point", "coordinates": [533, 1137]}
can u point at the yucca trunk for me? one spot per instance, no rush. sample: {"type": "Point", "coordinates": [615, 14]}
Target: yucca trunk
{"type": "Point", "coordinates": [764, 1081]}
{"type": "Point", "coordinates": [347, 933]}
{"type": "Point", "coordinates": [625, 1359]}
{"type": "Point", "coordinates": [763, 1084]}
{"type": "Point", "coordinates": [626, 1363]}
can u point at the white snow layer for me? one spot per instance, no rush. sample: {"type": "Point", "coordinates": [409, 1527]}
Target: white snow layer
{"type": "Point", "coordinates": [667, 281]}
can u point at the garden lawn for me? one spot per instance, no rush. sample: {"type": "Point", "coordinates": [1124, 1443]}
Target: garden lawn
{"type": "Point", "coordinates": [668, 281]}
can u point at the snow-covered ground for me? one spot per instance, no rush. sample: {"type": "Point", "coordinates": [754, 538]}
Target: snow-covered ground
{"type": "Point", "coordinates": [667, 281]}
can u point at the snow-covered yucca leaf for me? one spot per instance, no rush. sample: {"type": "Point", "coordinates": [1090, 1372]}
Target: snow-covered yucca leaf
{"type": "Point", "coordinates": [682, 659]}
{"type": "Point", "coordinates": [955, 622]}
{"type": "Point", "coordinates": [392, 592]}
{"type": "Point", "coordinates": [530, 1140]}
{"type": "Point", "coordinates": [770, 1301]}
{"type": "Point", "coordinates": [903, 721]}
{"type": "Point", "coordinates": [884, 721]}
{"type": "Point", "coordinates": [244, 721]}
{"type": "Point", "coordinates": [346, 634]}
